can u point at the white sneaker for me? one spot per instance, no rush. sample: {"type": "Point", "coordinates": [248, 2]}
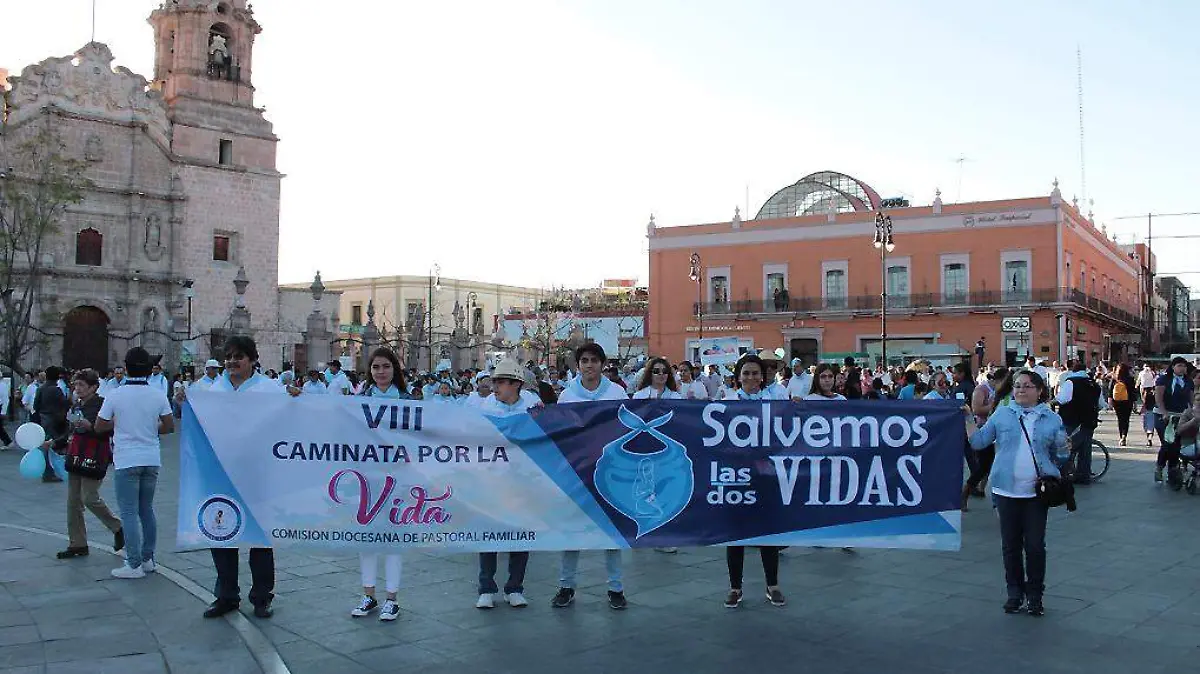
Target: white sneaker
{"type": "Point", "coordinates": [365, 607]}
{"type": "Point", "coordinates": [126, 571]}
{"type": "Point", "coordinates": [389, 611]}
{"type": "Point", "coordinates": [148, 566]}
{"type": "Point", "coordinates": [516, 600]}
{"type": "Point", "coordinates": [486, 600]}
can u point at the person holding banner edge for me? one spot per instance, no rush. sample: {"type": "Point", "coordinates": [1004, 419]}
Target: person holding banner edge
{"type": "Point", "coordinates": [241, 376]}
{"type": "Point", "coordinates": [590, 385]}
{"type": "Point", "coordinates": [748, 372]}
{"type": "Point", "coordinates": [1027, 436]}
{"type": "Point", "coordinates": [387, 381]}
{"type": "Point", "coordinates": [505, 401]}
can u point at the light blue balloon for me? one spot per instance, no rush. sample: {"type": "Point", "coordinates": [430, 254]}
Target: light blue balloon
{"type": "Point", "coordinates": [33, 464]}
{"type": "Point", "coordinates": [58, 463]}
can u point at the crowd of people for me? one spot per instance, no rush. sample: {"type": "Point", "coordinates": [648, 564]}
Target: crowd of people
{"type": "Point", "coordinates": [1021, 424]}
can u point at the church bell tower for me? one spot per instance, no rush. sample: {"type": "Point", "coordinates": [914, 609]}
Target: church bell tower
{"type": "Point", "coordinates": [204, 49]}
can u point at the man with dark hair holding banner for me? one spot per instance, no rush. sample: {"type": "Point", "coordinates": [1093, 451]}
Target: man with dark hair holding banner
{"type": "Point", "coordinates": [590, 385]}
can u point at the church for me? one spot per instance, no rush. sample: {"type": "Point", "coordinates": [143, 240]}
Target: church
{"type": "Point", "coordinates": [175, 245]}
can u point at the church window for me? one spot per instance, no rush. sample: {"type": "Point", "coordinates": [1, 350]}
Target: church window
{"type": "Point", "coordinates": [220, 248]}
{"type": "Point", "coordinates": [225, 152]}
{"type": "Point", "coordinates": [356, 314]}
{"type": "Point", "coordinates": [89, 246]}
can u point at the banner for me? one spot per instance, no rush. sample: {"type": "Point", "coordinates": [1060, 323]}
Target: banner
{"type": "Point", "coordinates": [718, 351]}
{"type": "Point", "coordinates": [371, 474]}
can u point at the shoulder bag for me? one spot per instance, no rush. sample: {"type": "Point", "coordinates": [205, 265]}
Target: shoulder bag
{"type": "Point", "coordinates": [1051, 491]}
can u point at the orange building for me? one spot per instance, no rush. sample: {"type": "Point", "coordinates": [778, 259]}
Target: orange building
{"type": "Point", "coordinates": [803, 275]}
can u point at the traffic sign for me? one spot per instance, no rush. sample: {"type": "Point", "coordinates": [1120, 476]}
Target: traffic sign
{"type": "Point", "coordinates": [1019, 324]}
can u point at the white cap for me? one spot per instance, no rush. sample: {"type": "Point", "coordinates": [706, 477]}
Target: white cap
{"type": "Point", "coordinates": [212, 362]}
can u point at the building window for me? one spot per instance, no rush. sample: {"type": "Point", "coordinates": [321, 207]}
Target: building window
{"type": "Point", "coordinates": [89, 247]}
{"type": "Point", "coordinates": [356, 314]}
{"type": "Point", "coordinates": [776, 292]}
{"type": "Point", "coordinates": [220, 248]}
{"type": "Point", "coordinates": [719, 289]}
{"type": "Point", "coordinates": [835, 289]}
{"type": "Point", "coordinates": [225, 152]}
{"type": "Point", "coordinates": [955, 281]}
{"type": "Point", "coordinates": [1016, 280]}
{"type": "Point", "coordinates": [897, 285]}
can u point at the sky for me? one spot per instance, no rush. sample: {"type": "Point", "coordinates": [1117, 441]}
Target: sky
{"type": "Point", "coordinates": [528, 142]}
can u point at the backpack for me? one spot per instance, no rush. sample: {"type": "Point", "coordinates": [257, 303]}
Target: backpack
{"type": "Point", "coordinates": [1120, 391]}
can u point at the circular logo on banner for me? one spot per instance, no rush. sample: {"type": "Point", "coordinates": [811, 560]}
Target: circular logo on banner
{"type": "Point", "coordinates": [220, 519]}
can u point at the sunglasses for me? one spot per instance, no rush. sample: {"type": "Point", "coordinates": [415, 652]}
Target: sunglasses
{"type": "Point", "coordinates": [659, 370]}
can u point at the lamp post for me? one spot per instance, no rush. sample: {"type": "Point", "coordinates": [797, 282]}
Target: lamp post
{"type": "Point", "coordinates": [694, 274]}
{"type": "Point", "coordinates": [885, 244]}
{"type": "Point", "coordinates": [435, 283]}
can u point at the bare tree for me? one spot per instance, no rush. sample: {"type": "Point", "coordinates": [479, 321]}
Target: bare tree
{"type": "Point", "coordinates": [34, 197]}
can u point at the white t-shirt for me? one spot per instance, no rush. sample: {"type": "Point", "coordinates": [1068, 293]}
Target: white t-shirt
{"type": "Point", "coordinates": [693, 390]}
{"type": "Point", "coordinates": [818, 396]}
{"type": "Point", "coordinates": [649, 393]}
{"type": "Point", "coordinates": [531, 399]}
{"type": "Point", "coordinates": [313, 387]}
{"type": "Point", "coordinates": [1147, 379]}
{"type": "Point", "coordinates": [338, 383]}
{"type": "Point", "coordinates": [491, 406]}
{"type": "Point", "coordinates": [799, 386]}
{"type": "Point", "coordinates": [1024, 472]}
{"type": "Point", "coordinates": [135, 410]}
{"type": "Point", "coordinates": [605, 391]}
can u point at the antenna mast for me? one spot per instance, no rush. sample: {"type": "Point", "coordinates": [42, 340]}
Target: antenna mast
{"type": "Point", "coordinates": [1079, 82]}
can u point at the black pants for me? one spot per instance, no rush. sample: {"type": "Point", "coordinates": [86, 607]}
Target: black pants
{"type": "Point", "coordinates": [1023, 539]}
{"type": "Point", "coordinates": [516, 572]}
{"type": "Point", "coordinates": [735, 557]}
{"type": "Point", "coordinates": [1168, 453]}
{"type": "Point", "coordinates": [262, 571]}
{"type": "Point", "coordinates": [1123, 408]}
{"type": "Point", "coordinates": [984, 459]}
{"type": "Point", "coordinates": [4, 436]}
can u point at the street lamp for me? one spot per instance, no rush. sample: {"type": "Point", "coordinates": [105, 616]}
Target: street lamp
{"type": "Point", "coordinates": [885, 244]}
{"type": "Point", "coordinates": [435, 283]}
{"type": "Point", "coordinates": [694, 274]}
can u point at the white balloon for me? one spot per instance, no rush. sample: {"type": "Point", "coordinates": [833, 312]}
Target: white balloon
{"type": "Point", "coordinates": [30, 436]}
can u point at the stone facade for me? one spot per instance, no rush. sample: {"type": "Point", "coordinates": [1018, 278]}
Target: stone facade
{"type": "Point", "coordinates": [174, 163]}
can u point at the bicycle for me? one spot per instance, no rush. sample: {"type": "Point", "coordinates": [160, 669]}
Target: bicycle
{"type": "Point", "coordinates": [1100, 461]}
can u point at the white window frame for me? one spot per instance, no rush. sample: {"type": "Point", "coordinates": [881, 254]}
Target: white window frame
{"type": "Point", "coordinates": [713, 272]}
{"type": "Point", "coordinates": [1007, 256]}
{"type": "Point", "coordinates": [769, 269]}
{"type": "Point", "coordinates": [955, 258]}
{"type": "Point", "coordinates": [835, 265]}
{"type": "Point", "coordinates": [905, 262]}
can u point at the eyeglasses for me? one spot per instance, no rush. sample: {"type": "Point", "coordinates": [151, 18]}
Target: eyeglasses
{"type": "Point", "coordinates": [659, 370]}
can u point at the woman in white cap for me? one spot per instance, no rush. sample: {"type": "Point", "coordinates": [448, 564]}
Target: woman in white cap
{"type": "Point", "coordinates": [387, 381]}
{"type": "Point", "coordinates": [506, 400]}
{"type": "Point", "coordinates": [656, 382]}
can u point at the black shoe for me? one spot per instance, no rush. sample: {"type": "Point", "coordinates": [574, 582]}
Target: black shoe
{"type": "Point", "coordinates": [1013, 605]}
{"type": "Point", "coordinates": [263, 611]}
{"type": "Point", "coordinates": [733, 599]}
{"type": "Point", "coordinates": [119, 540]}
{"type": "Point", "coordinates": [776, 598]}
{"type": "Point", "coordinates": [1035, 607]}
{"type": "Point", "coordinates": [220, 607]}
{"type": "Point", "coordinates": [72, 552]}
{"type": "Point", "coordinates": [616, 600]}
{"type": "Point", "coordinates": [1175, 479]}
{"type": "Point", "coordinates": [563, 599]}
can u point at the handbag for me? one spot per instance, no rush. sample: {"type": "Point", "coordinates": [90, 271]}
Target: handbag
{"type": "Point", "coordinates": [1051, 491]}
{"type": "Point", "coordinates": [88, 456]}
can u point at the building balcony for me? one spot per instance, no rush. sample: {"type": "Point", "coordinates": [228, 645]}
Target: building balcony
{"type": "Point", "coordinates": [925, 303]}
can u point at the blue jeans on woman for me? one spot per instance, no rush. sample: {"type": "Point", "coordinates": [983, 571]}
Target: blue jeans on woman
{"type": "Point", "coordinates": [135, 503]}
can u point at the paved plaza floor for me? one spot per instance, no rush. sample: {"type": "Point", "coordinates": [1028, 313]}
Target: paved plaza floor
{"type": "Point", "coordinates": [1123, 596]}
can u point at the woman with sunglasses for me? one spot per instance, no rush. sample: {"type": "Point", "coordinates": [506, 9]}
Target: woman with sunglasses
{"type": "Point", "coordinates": [657, 382]}
{"type": "Point", "coordinates": [1029, 438]}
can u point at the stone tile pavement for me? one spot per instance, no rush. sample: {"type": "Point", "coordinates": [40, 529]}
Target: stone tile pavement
{"type": "Point", "coordinates": [1123, 596]}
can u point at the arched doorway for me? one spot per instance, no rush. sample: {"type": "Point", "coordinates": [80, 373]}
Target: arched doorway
{"type": "Point", "coordinates": [85, 339]}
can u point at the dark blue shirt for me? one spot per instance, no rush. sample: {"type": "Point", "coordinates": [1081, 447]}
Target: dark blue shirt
{"type": "Point", "coordinates": [1177, 398]}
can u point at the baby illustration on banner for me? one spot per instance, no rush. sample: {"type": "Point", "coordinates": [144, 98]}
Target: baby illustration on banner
{"type": "Point", "coordinates": [651, 489]}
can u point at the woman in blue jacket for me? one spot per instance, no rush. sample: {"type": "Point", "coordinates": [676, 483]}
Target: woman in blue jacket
{"type": "Point", "coordinates": [1029, 437]}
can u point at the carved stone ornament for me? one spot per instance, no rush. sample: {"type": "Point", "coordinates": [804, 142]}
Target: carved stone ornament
{"type": "Point", "coordinates": [153, 244]}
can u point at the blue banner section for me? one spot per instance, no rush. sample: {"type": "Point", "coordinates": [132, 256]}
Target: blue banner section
{"type": "Point", "coordinates": [676, 473]}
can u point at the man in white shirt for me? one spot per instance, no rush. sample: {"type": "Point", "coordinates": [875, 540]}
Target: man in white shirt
{"type": "Point", "coordinates": [482, 392]}
{"type": "Point", "coordinates": [335, 379]}
{"type": "Point", "coordinates": [158, 380]}
{"type": "Point", "coordinates": [800, 384]}
{"type": "Point", "coordinates": [591, 385]}
{"type": "Point", "coordinates": [212, 371]}
{"type": "Point", "coordinates": [314, 385]}
{"type": "Point", "coordinates": [137, 413]}
{"type": "Point", "coordinates": [1146, 378]}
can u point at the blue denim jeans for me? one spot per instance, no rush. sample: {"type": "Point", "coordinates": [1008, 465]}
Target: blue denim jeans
{"type": "Point", "coordinates": [135, 503]}
{"type": "Point", "coordinates": [570, 563]}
